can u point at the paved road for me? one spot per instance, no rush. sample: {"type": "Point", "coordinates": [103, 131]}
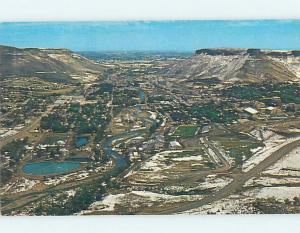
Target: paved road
{"type": "Point", "coordinates": [18, 200]}
{"type": "Point", "coordinates": [238, 180]}
{"type": "Point", "coordinates": [13, 202]}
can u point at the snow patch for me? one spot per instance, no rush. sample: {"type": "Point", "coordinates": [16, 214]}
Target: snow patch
{"type": "Point", "coordinates": [279, 193]}
{"type": "Point", "coordinates": [274, 143]}
{"type": "Point", "coordinates": [289, 165]}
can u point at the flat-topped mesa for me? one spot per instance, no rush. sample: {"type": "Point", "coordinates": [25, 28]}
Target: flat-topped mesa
{"type": "Point", "coordinates": [221, 51]}
{"type": "Point", "coordinates": [250, 51]}
{"type": "Point", "coordinates": [10, 49]}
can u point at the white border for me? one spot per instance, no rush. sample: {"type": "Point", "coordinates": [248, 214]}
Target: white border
{"type": "Point", "coordinates": [152, 224]}
{"type": "Point", "coordinates": [91, 10]}
{"type": "Point", "coordinates": [86, 10]}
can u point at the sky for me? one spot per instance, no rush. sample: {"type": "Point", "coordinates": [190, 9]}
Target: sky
{"type": "Point", "coordinates": [177, 36]}
{"type": "Point", "coordinates": [133, 25]}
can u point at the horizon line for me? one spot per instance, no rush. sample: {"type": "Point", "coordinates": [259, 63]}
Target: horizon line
{"type": "Point", "coordinates": [146, 20]}
{"type": "Point", "coordinates": [150, 50]}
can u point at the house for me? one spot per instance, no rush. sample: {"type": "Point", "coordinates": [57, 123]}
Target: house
{"type": "Point", "coordinates": [205, 129]}
{"type": "Point", "coordinates": [272, 110]}
{"type": "Point", "coordinates": [175, 145]}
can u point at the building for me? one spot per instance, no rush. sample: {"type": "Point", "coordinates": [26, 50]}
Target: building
{"type": "Point", "coordinates": [251, 111]}
{"type": "Point", "coordinates": [272, 110]}
{"type": "Point", "coordinates": [175, 145]}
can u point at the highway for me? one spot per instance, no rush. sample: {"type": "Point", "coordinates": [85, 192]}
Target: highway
{"type": "Point", "coordinates": [235, 186]}
{"type": "Point", "coordinates": [238, 181]}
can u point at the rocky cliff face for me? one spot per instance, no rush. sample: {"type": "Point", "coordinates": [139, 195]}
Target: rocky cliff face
{"type": "Point", "coordinates": [58, 65]}
{"type": "Point", "coordinates": [238, 65]}
{"type": "Point", "coordinates": [221, 65]}
{"type": "Point", "coordinates": [251, 52]}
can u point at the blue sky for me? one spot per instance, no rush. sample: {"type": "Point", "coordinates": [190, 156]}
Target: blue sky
{"type": "Point", "coordinates": [153, 35]}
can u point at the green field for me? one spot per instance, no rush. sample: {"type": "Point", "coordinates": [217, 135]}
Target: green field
{"type": "Point", "coordinates": [185, 131]}
{"type": "Point", "coordinates": [238, 146]}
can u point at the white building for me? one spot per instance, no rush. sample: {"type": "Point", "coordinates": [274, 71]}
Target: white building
{"type": "Point", "coordinates": [175, 145]}
{"type": "Point", "coordinates": [251, 111]}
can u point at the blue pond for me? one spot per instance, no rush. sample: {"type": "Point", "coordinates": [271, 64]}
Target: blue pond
{"type": "Point", "coordinates": [81, 141]}
{"type": "Point", "coordinates": [49, 168]}
{"type": "Point", "coordinates": [142, 95]}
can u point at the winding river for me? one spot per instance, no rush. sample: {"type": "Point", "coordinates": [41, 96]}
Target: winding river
{"type": "Point", "coordinates": [120, 162]}
{"type": "Point", "coordinates": [51, 167]}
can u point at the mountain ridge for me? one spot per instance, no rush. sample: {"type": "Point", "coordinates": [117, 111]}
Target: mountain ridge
{"type": "Point", "coordinates": [221, 64]}
{"type": "Point", "coordinates": [250, 51]}
{"type": "Point", "coordinates": [238, 65]}
{"type": "Point", "coordinates": [57, 65]}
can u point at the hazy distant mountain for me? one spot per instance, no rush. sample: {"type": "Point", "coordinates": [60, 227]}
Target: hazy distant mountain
{"type": "Point", "coordinates": [58, 65]}
{"type": "Point", "coordinates": [244, 65]}
{"type": "Point", "coordinates": [134, 55]}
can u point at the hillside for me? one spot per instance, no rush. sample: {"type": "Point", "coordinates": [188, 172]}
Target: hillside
{"type": "Point", "coordinates": [238, 65]}
{"type": "Point", "coordinates": [57, 65]}
{"type": "Point", "coordinates": [207, 65]}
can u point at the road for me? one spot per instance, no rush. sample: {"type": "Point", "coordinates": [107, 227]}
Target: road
{"type": "Point", "coordinates": [238, 180]}
{"type": "Point", "coordinates": [23, 132]}
{"type": "Point", "coordinates": [13, 202]}
{"type": "Point", "coordinates": [217, 152]}
{"type": "Point", "coordinates": [236, 185]}
{"type": "Point", "coordinates": [20, 200]}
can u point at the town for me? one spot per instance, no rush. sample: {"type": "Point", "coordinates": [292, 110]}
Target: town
{"type": "Point", "coordinates": [153, 136]}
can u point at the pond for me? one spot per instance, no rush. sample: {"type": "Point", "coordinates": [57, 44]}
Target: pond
{"type": "Point", "coordinates": [50, 168]}
{"type": "Point", "coordinates": [81, 141]}
{"type": "Point", "coordinates": [142, 95]}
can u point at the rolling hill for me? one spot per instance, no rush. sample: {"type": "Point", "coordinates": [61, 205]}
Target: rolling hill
{"type": "Point", "coordinates": [207, 65]}
{"type": "Point", "coordinates": [57, 65]}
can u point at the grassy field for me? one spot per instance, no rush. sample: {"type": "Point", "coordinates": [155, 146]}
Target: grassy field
{"type": "Point", "coordinates": [238, 146]}
{"type": "Point", "coordinates": [185, 131]}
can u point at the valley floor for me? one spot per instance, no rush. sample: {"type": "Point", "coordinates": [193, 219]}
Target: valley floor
{"type": "Point", "coordinates": [135, 141]}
